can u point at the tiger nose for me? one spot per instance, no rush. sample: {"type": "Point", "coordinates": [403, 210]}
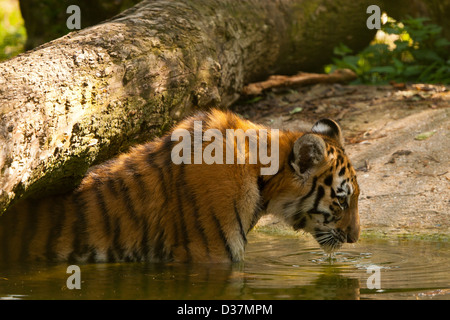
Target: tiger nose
{"type": "Point", "coordinates": [352, 236]}
{"type": "Point", "coordinates": [351, 239]}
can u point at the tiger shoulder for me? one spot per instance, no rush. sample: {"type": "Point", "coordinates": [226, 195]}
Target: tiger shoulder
{"type": "Point", "coordinates": [193, 195]}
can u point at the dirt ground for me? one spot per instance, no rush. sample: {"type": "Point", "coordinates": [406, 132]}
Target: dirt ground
{"type": "Point", "coordinates": [397, 137]}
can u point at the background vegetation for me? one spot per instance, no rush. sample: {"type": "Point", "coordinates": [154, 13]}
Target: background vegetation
{"type": "Point", "coordinates": [12, 30]}
{"type": "Point", "coordinates": [411, 50]}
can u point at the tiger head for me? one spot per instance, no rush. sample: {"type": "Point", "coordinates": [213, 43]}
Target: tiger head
{"type": "Point", "coordinates": [322, 197]}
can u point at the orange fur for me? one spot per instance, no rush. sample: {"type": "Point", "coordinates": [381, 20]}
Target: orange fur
{"type": "Point", "coordinates": [141, 206]}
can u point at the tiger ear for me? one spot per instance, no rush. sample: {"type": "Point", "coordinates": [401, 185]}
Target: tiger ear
{"type": "Point", "coordinates": [328, 128]}
{"type": "Point", "coordinates": [307, 153]}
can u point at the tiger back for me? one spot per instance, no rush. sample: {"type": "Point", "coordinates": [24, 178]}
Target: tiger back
{"type": "Point", "coordinates": [144, 206]}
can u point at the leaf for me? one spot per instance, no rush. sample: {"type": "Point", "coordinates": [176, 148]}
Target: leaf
{"type": "Point", "coordinates": [383, 69]}
{"type": "Point", "coordinates": [401, 46]}
{"type": "Point", "coordinates": [253, 100]}
{"type": "Point", "coordinates": [424, 135]}
{"type": "Point", "coordinates": [441, 42]}
{"type": "Point", "coordinates": [296, 110]}
{"type": "Point", "coordinates": [413, 70]}
{"type": "Point", "coordinates": [342, 50]}
{"type": "Point", "coordinates": [380, 48]}
{"type": "Point", "coordinates": [392, 30]}
{"type": "Point", "coordinates": [427, 55]}
{"type": "Point", "coordinates": [398, 64]}
{"type": "Point", "coordinates": [351, 62]}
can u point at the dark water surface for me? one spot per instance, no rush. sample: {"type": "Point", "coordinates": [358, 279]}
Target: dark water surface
{"type": "Point", "coordinates": [275, 267]}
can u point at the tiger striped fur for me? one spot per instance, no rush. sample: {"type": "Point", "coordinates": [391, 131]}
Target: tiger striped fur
{"type": "Point", "coordinates": [141, 206]}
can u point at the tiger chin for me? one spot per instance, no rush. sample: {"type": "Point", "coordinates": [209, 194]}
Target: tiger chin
{"type": "Point", "coordinates": [141, 206]}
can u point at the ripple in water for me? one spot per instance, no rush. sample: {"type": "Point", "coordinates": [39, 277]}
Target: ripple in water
{"type": "Point", "coordinates": [275, 267]}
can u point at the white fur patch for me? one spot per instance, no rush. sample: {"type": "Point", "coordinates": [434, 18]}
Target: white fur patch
{"type": "Point", "coordinates": [322, 128]}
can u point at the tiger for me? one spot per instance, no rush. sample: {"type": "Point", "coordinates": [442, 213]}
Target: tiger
{"type": "Point", "coordinates": [141, 206]}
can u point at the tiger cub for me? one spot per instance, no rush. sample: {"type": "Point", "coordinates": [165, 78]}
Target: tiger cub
{"type": "Point", "coordinates": [141, 206]}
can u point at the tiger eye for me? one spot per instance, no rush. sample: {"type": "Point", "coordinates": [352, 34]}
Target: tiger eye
{"type": "Point", "coordinates": [343, 202]}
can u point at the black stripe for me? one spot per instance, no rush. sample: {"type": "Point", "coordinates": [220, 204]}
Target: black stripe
{"type": "Point", "coordinates": [332, 149]}
{"type": "Point", "coordinates": [117, 248]}
{"type": "Point", "coordinates": [261, 184]}
{"type": "Point", "coordinates": [137, 177]}
{"type": "Point", "coordinates": [115, 251]}
{"type": "Point", "coordinates": [222, 236]}
{"type": "Point", "coordinates": [58, 216]}
{"type": "Point", "coordinates": [309, 194]}
{"type": "Point", "coordinates": [144, 241]}
{"type": "Point", "coordinates": [128, 201]}
{"type": "Point", "coordinates": [151, 161]}
{"type": "Point", "coordinates": [255, 217]}
{"type": "Point", "coordinates": [143, 223]}
{"type": "Point", "coordinates": [142, 193]}
{"type": "Point", "coordinates": [311, 191]}
{"type": "Point", "coordinates": [5, 225]}
{"type": "Point", "coordinates": [327, 216]}
{"type": "Point", "coordinates": [342, 171]}
{"type": "Point", "coordinates": [319, 196]}
{"type": "Point", "coordinates": [328, 180]}
{"type": "Point", "coordinates": [4, 240]}
{"type": "Point", "coordinates": [111, 257]}
{"type": "Point", "coordinates": [168, 189]}
{"type": "Point", "coordinates": [79, 228]}
{"type": "Point", "coordinates": [297, 217]}
{"type": "Point", "coordinates": [92, 256]}
{"type": "Point", "coordinates": [103, 209]}
{"type": "Point", "coordinates": [29, 230]}
{"type": "Point", "coordinates": [162, 250]}
{"type": "Point", "coordinates": [184, 232]}
{"type": "Point", "coordinates": [176, 232]}
{"type": "Point", "coordinates": [300, 224]}
{"type": "Point", "coordinates": [159, 247]}
{"type": "Point", "coordinates": [324, 213]}
{"type": "Point", "coordinates": [238, 218]}
{"type": "Point", "coordinates": [332, 193]}
{"type": "Point", "coordinates": [167, 144]}
{"type": "Point", "coordinates": [110, 184]}
{"type": "Point", "coordinates": [192, 199]}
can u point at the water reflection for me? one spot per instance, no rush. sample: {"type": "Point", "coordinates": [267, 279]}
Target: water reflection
{"type": "Point", "coordinates": [155, 281]}
{"type": "Point", "coordinates": [274, 268]}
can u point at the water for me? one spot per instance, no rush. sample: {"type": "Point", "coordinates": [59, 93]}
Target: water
{"type": "Point", "coordinates": [275, 267]}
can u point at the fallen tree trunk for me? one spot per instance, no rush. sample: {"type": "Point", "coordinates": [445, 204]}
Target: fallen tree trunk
{"type": "Point", "coordinates": [82, 98]}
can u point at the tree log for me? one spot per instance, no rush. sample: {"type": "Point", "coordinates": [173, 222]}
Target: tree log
{"type": "Point", "coordinates": [82, 98]}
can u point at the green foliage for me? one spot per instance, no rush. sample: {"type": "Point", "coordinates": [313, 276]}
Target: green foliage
{"type": "Point", "coordinates": [414, 51]}
{"type": "Point", "coordinates": [12, 30]}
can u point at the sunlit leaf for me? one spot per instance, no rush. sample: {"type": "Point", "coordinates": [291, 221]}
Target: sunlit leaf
{"type": "Point", "coordinates": [296, 110]}
{"type": "Point", "coordinates": [425, 135]}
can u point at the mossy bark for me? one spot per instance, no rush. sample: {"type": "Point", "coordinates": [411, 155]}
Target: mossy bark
{"type": "Point", "coordinates": [83, 98]}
